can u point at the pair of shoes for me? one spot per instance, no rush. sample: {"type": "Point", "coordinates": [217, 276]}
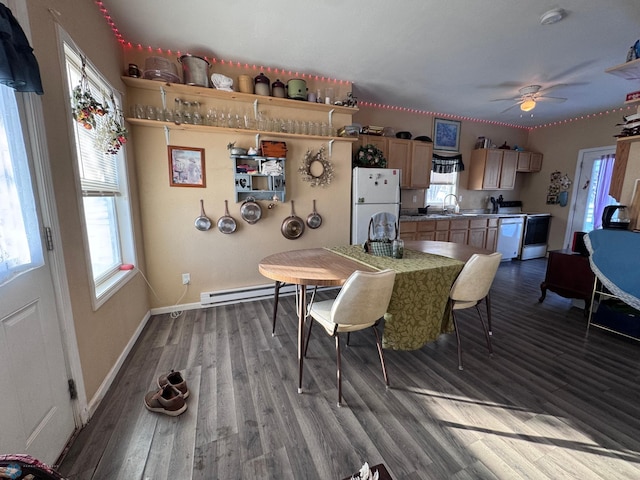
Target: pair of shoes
{"type": "Point", "coordinates": [175, 379]}
{"type": "Point", "coordinates": [168, 400]}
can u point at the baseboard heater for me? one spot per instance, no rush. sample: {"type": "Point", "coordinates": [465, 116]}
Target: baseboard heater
{"type": "Point", "coordinates": [246, 294]}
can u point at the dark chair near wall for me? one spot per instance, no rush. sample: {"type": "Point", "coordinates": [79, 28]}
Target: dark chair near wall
{"type": "Point", "coordinates": [472, 287]}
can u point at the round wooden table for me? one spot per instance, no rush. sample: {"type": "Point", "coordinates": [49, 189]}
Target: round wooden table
{"type": "Point", "coordinates": [321, 267]}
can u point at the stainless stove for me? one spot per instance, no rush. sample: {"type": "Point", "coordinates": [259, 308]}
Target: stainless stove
{"type": "Point", "coordinates": [536, 230]}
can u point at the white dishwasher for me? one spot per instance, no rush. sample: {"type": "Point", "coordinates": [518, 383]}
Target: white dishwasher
{"type": "Point", "coordinates": [510, 236]}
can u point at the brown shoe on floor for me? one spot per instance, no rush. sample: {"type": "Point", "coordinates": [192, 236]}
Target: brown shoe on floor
{"type": "Point", "coordinates": [167, 400]}
{"type": "Point", "coordinates": [175, 379]}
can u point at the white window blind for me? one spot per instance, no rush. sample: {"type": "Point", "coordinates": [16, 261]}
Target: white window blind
{"type": "Point", "coordinates": [98, 170]}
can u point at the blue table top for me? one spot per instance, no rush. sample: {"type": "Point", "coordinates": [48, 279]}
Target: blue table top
{"type": "Point", "coordinates": [615, 260]}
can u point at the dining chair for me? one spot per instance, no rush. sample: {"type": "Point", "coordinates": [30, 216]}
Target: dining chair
{"type": "Point", "coordinates": [472, 287]}
{"type": "Point", "coordinates": [361, 303]}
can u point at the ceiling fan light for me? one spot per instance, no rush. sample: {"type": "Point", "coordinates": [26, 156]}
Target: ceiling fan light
{"type": "Point", "coordinates": [528, 105]}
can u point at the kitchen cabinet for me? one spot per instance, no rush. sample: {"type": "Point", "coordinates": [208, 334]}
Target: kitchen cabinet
{"type": "Point", "coordinates": [412, 157]}
{"type": "Point", "coordinates": [377, 141]}
{"type": "Point", "coordinates": [529, 162]}
{"type": "Point", "coordinates": [252, 181]}
{"type": "Point", "coordinates": [492, 169]}
{"type": "Point", "coordinates": [491, 240]}
{"type": "Point", "coordinates": [478, 232]}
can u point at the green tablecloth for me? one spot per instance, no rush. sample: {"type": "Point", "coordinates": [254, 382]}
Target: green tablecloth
{"type": "Point", "coordinates": [417, 313]}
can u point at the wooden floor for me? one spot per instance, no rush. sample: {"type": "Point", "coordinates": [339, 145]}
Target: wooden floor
{"type": "Point", "coordinates": [551, 403]}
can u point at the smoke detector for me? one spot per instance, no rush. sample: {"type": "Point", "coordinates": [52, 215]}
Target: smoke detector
{"type": "Point", "coordinates": [552, 16]}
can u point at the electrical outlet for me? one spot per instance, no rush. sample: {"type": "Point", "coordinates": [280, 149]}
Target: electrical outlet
{"type": "Point", "coordinates": [186, 278]}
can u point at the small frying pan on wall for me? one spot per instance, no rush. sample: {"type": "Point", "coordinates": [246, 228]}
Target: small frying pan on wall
{"type": "Point", "coordinates": [314, 220]}
{"type": "Point", "coordinates": [226, 223]}
{"type": "Point", "coordinates": [292, 226]}
{"type": "Point", "coordinates": [203, 223]}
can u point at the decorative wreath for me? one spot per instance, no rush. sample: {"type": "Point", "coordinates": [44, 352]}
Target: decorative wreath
{"type": "Point", "coordinates": [369, 156]}
{"type": "Point", "coordinates": [325, 177]}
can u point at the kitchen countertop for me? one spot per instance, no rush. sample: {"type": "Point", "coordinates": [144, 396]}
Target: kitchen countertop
{"type": "Point", "coordinates": [456, 216]}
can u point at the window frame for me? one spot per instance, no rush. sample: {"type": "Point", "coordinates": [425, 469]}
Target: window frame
{"type": "Point", "coordinates": [436, 202]}
{"type": "Point", "coordinates": [106, 285]}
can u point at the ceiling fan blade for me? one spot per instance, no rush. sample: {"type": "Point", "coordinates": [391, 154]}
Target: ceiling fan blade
{"type": "Point", "coordinates": [512, 106]}
{"type": "Point", "coordinates": [545, 98]}
{"type": "Point", "coordinates": [505, 99]}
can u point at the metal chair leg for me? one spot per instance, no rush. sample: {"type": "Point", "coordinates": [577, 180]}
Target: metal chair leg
{"type": "Point", "coordinates": [487, 301]}
{"type": "Point", "coordinates": [379, 345]}
{"type": "Point", "coordinates": [455, 326]}
{"type": "Point", "coordinates": [486, 332]}
{"type": "Point", "coordinates": [338, 371]}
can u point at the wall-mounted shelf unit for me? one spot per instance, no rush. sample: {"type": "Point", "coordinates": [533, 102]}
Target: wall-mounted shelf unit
{"type": "Point", "coordinates": [236, 131]}
{"type": "Point", "coordinates": [191, 91]}
{"type": "Point", "coordinates": [262, 178]}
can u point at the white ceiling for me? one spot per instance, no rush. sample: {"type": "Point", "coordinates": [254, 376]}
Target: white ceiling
{"type": "Point", "coordinates": [449, 57]}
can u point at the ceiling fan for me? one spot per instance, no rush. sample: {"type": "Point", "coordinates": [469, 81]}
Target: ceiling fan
{"type": "Point", "coordinates": [529, 96]}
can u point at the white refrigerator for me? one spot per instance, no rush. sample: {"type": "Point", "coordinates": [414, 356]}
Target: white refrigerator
{"type": "Point", "coordinates": [374, 190]}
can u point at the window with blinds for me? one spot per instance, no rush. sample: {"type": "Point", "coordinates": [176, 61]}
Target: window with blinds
{"type": "Point", "coordinates": [102, 179]}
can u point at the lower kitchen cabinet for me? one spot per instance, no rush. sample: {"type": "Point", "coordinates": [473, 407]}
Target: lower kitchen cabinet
{"type": "Point", "coordinates": [491, 240]}
{"type": "Point", "coordinates": [478, 232]}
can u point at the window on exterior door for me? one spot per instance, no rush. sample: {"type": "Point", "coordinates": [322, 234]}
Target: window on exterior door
{"type": "Point", "coordinates": [20, 238]}
{"type": "Point", "coordinates": [102, 178]}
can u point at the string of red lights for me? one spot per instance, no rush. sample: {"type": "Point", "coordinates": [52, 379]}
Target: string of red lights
{"type": "Point", "coordinates": [321, 78]}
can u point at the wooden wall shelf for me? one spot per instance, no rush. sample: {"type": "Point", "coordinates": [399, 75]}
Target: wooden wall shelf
{"type": "Point", "coordinates": [236, 131]}
{"type": "Point", "coordinates": [179, 89]}
{"type": "Point", "coordinates": [629, 70]}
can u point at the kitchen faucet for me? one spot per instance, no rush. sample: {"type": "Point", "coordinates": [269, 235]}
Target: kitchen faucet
{"type": "Point", "coordinates": [445, 199]}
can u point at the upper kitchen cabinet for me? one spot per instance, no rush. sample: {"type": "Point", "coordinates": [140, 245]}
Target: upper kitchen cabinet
{"type": "Point", "coordinates": [529, 162]}
{"type": "Point", "coordinates": [492, 169]}
{"type": "Point", "coordinates": [413, 158]}
{"type": "Point", "coordinates": [377, 141]}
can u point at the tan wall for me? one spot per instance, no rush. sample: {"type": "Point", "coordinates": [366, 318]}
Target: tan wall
{"type": "Point", "coordinates": [214, 260]}
{"type": "Point", "coordinates": [561, 145]}
{"type": "Point", "coordinates": [101, 335]}
{"type": "Point", "coordinates": [421, 124]}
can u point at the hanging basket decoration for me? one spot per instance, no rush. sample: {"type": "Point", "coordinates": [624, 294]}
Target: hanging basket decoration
{"type": "Point", "coordinates": [369, 156]}
{"type": "Point", "coordinates": [313, 161]}
{"type": "Point", "coordinates": [110, 132]}
{"type": "Point", "coordinates": [85, 106]}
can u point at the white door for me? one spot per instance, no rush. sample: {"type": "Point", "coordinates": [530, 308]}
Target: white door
{"type": "Point", "coordinates": [37, 415]}
{"type": "Point", "coordinates": [581, 214]}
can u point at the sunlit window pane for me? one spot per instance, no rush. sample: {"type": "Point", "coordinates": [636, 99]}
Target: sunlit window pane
{"type": "Point", "coordinates": [102, 232]}
{"type": "Point", "coordinates": [20, 243]}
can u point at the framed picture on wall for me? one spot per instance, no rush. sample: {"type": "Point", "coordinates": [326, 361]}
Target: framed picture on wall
{"type": "Point", "coordinates": [446, 135]}
{"type": "Point", "coordinates": [186, 167]}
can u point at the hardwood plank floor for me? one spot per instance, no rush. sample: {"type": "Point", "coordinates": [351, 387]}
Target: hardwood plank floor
{"type": "Point", "coordinates": [551, 403]}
